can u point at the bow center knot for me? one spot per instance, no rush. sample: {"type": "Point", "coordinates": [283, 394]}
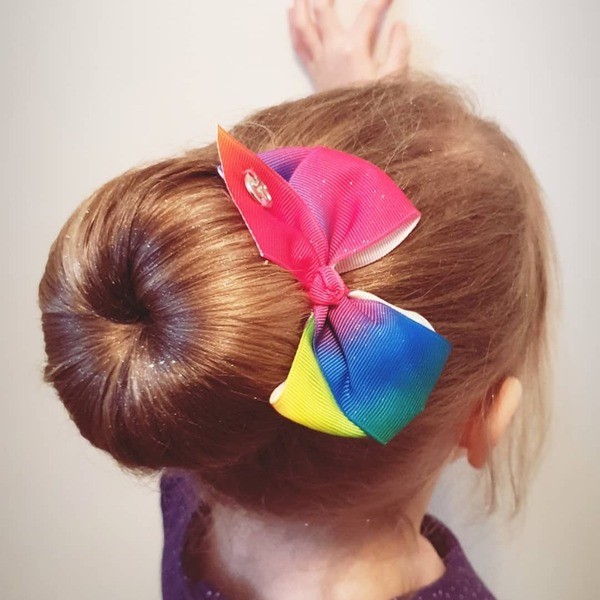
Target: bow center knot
{"type": "Point", "coordinates": [327, 287]}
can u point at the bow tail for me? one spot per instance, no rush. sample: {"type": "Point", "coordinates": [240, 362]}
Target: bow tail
{"type": "Point", "coordinates": [367, 370]}
{"type": "Point", "coordinates": [305, 396]}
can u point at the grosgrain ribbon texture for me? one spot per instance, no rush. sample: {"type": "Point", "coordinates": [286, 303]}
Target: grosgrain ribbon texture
{"type": "Point", "coordinates": [363, 367]}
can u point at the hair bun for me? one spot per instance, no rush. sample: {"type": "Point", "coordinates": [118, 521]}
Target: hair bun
{"type": "Point", "coordinates": [137, 337]}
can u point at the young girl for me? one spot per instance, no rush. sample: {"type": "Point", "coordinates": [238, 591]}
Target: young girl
{"type": "Point", "coordinates": [301, 408]}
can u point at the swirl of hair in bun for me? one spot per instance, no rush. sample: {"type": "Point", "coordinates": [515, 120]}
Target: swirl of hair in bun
{"type": "Point", "coordinates": [148, 314]}
{"type": "Point", "coordinates": [165, 332]}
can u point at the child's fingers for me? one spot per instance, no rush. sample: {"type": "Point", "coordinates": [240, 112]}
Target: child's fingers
{"type": "Point", "coordinates": [398, 50]}
{"type": "Point", "coordinates": [326, 19]}
{"type": "Point", "coordinates": [298, 41]}
{"type": "Point", "coordinates": [368, 21]}
{"type": "Point", "coordinates": [302, 29]}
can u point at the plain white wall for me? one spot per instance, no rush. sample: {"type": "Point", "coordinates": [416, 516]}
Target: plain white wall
{"type": "Point", "coordinates": [91, 88]}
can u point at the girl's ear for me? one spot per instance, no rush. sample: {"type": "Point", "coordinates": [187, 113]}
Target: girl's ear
{"type": "Point", "coordinates": [482, 433]}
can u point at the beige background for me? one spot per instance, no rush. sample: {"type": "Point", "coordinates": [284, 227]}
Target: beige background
{"type": "Point", "coordinates": [91, 88]}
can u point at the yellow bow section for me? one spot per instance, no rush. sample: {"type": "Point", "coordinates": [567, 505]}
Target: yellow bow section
{"type": "Point", "coordinates": [305, 397]}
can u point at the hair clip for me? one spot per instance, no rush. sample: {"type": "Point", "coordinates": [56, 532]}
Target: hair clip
{"type": "Point", "coordinates": [363, 366]}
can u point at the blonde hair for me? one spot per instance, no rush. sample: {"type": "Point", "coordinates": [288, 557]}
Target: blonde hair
{"type": "Point", "coordinates": [165, 332]}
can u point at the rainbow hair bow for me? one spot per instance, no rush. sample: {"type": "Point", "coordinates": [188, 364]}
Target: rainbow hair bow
{"type": "Point", "coordinates": [363, 367]}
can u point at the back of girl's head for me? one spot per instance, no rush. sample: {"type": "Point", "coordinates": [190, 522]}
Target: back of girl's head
{"type": "Point", "coordinates": [166, 333]}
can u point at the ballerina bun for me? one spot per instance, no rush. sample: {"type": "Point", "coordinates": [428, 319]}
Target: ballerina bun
{"type": "Point", "coordinates": [152, 325]}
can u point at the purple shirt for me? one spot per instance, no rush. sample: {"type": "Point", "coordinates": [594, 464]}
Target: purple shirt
{"type": "Point", "coordinates": [179, 501]}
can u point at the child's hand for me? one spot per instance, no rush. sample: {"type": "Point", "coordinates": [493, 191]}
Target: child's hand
{"type": "Point", "coordinates": [335, 56]}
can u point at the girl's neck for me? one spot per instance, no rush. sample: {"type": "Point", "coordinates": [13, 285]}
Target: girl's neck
{"type": "Point", "coordinates": [257, 558]}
